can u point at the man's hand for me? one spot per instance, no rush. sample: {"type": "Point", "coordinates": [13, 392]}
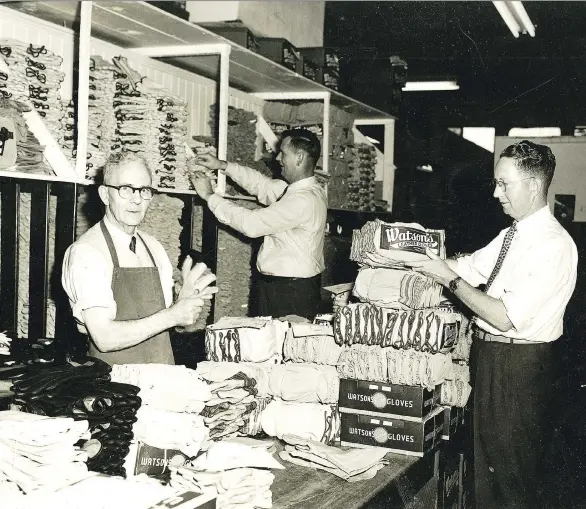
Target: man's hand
{"type": "Point", "coordinates": [202, 186]}
{"type": "Point", "coordinates": [186, 311]}
{"type": "Point", "coordinates": [435, 268]}
{"type": "Point", "coordinates": [209, 161]}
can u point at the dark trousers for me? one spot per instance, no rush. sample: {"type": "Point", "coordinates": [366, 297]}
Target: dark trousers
{"type": "Point", "coordinates": [515, 389]}
{"type": "Point", "coordinates": [282, 296]}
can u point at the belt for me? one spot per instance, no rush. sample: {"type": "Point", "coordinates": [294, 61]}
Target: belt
{"type": "Point", "coordinates": [268, 277]}
{"type": "Point", "coordinates": [487, 337]}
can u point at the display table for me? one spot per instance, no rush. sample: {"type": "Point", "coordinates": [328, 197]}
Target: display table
{"type": "Point", "coordinates": [393, 487]}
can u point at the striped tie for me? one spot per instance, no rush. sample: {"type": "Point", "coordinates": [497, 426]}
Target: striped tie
{"type": "Point", "coordinates": [501, 258]}
{"type": "Point", "coordinates": [133, 244]}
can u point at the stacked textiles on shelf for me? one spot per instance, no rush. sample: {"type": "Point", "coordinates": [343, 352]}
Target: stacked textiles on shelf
{"type": "Point", "coordinates": [361, 183]}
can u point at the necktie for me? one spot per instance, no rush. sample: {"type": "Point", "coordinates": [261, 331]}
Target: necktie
{"type": "Point", "coordinates": [504, 249]}
{"type": "Point", "coordinates": [133, 244]}
{"type": "Point", "coordinates": [282, 194]}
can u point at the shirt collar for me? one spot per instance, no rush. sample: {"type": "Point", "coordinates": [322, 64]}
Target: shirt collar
{"type": "Point", "coordinates": [536, 219]}
{"type": "Point", "coordinates": [302, 184]}
{"type": "Point", "coordinates": [117, 234]}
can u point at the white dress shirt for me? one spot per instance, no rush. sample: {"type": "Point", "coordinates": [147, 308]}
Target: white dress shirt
{"type": "Point", "coordinates": [536, 280]}
{"type": "Point", "coordinates": [293, 226]}
{"type": "Point", "coordinates": [88, 266]}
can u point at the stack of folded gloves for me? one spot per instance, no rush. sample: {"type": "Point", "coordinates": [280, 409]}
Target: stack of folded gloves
{"type": "Point", "coordinates": [307, 342]}
{"type": "Point", "coordinates": [403, 367]}
{"type": "Point", "coordinates": [84, 392]}
{"type": "Point", "coordinates": [351, 465]}
{"type": "Point", "coordinates": [456, 390]}
{"type": "Point", "coordinates": [39, 453]}
{"type": "Point", "coordinates": [238, 473]}
{"type": "Point", "coordinates": [231, 405]}
{"type": "Point", "coordinates": [237, 339]}
{"type": "Point", "coordinates": [400, 289]}
{"type": "Point", "coordinates": [427, 330]}
{"type": "Point", "coordinates": [34, 77]}
{"type": "Point", "coordinates": [313, 421]}
{"type": "Point", "coordinates": [173, 398]}
{"type": "Point", "coordinates": [390, 245]}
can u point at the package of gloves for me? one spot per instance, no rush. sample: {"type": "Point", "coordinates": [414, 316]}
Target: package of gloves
{"type": "Point", "coordinates": [239, 339]}
{"type": "Point", "coordinates": [426, 330]}
{"type": "Point", "coordinates": [313, 343]}
{"type": "Point", "coordinates": [399, 289]}
{"type": "Point", "coordinates": [390, 245]}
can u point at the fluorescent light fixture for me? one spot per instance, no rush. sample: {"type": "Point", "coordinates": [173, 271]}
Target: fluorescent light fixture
{"type": "Point", "coordinates": [516, 17]}
{"type": "Point", "coordinates": [426, 86]}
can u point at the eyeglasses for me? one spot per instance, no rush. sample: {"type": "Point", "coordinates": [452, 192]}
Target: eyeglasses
{"type": "Point", "coordinates": [126, 192]}
{"type": "Point", "coordinates": [502, 185]}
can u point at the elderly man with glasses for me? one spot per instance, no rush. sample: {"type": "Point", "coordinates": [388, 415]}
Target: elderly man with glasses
{"type": "Point", "coordinates": [530, 273]}
{"type": "Point", "coordinates": [292, 224]}
{"type": "Point", "coordinates": [120, 281]}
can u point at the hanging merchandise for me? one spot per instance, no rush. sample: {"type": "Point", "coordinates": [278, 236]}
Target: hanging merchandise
{"type": "Point", "coordinates": [361, 183]}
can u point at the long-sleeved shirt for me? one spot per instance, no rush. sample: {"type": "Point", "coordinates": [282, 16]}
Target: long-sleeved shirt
{"type": "Point", "coordinates": [293, 224]}
{"type": "Point", "coordinates": [536, 280]}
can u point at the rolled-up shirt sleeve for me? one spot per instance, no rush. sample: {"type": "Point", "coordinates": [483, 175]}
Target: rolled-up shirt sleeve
{"type": "Point", "coordinates": [475, 269]}
{"type": "Point", "coordinates": [86, 281]}
{"type": "Point", "coordinates": [278, 217]}
{"type": "Point", "coordinates": [544, 274]}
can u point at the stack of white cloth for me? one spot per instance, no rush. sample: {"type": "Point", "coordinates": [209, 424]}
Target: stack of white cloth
{"type": "Point", "coordinates": [165, 387]}
{"type": "Point", "coordinates": [240, 339]}
{"type": "Point", "coordinates": [5, 342]}
{"type": "Point", "coordinates": [390, 245]}
{"type": "Point", "coordinates": [351, 465]}
{"type": "Point", "coordinates": [172, 399]}
{"type": "Point", "coordinates": [403, 367]}
{"type": "Point", "coordinates": [39, 453]}
{"type": "Point", "coordinates": [399, 289]}
{"type": "Point", "coordinates": [308, 342]}
{"type": "Point", "coordinates": [238, 473]}
{"type": "Point", "coordinates": [427, 330]}
{"type": "Point", "coordinates": [313, 421]}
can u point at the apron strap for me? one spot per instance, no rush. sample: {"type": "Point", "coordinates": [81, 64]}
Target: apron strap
{"type": "Point", "coordinates": [110, 244]}
{"type": "Point", "coordinates": [147, 248]}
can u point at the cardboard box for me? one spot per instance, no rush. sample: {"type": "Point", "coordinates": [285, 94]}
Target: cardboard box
{"type": "Point", "coordinates": [410, 402]}
{"type": "Point", "coordinates": [307, 68]}
{"type": "Point", "coordinates": [323, 57]}
{"type": "Point", "coordinates": [152, 461]}
{"type": "Point", "coordinates": [280, 51]}
{"type": "Point", "coordinates": [239, 34]}
{"type": "Point", "coordinates": [328, 77]}
{"type": "Point", "coordinates": [448, 477]}
{"type": "Point", "coordinates": [453, 421]}
{"type": "Point", "coordinates": [413, 438]}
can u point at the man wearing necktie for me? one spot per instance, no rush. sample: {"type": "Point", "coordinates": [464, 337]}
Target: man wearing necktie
{"type": "Point", "coordinates": [293, 224]}
{"type": "Point", "coordinates": [530, 274]}
{"type": "Point", "coordinates": [119, 280]}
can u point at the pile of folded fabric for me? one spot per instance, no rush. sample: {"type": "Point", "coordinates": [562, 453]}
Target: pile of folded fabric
{"type": "Point", "coordinates": [351, 465]}
{"type": "Point", "coordinates": [34, 77]}
{"type": "Point", "coordinates": [456, 391]}
{"type": "Point", "coordinates": [173, 398]}
{"type": "Point", "coordinates": [239, 474]}
{"type": "Point", "coordinates": [84, 392]}
{"type": "Point", "coordinates": [39, 453]}
{"type": "Point", "coordinates": [238, 339]}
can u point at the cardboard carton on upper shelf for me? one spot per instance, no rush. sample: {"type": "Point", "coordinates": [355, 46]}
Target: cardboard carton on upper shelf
{"type": "Point", "coordinates": [235, 32]}
{"type": "Point", "coordinates": [453, 421]}
{"type": "Point", "coordinates": [323, 57]}
{"type": "Point", "coordinates": [410, 402]}
{"type": "Point", "coordinates": [280, 51]}
{"type": "Point", "coordinates": [413, 438]}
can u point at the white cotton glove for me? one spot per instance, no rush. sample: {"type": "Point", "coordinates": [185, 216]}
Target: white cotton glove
{"type": "Point", "coordinates": [196, 280]}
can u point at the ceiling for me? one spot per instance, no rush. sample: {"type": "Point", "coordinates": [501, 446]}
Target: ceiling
{"type": "Point", "coordinates": [504, 82]}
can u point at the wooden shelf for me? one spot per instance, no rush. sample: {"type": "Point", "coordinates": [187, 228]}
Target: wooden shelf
{"type": "Point", "coordinates": [139, 24]}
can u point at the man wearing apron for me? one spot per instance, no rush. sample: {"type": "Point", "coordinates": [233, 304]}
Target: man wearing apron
{"type": "Point", "coordinates": [120, 281]}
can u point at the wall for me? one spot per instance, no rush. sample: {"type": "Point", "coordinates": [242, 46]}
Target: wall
{"type": "Point", "coordinates": [569, 177]}
{"type": "Point", "coordinates": [301, 23]}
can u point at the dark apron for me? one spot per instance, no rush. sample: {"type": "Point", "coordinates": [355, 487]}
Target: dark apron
{"type": "Point", "coordinates": [138, 293]}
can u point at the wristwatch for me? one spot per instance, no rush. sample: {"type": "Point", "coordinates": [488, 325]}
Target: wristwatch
{"type": "Point", "coordinates": [454, 283]}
